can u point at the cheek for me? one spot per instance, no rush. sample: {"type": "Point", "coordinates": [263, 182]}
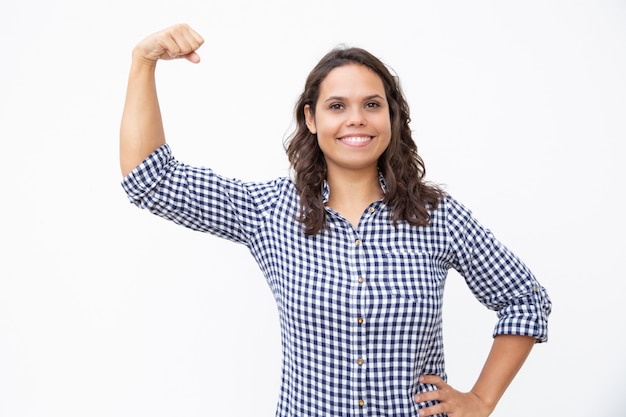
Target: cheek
{"type": "Point", "coordinates": [384, 126]}
{"type": "Point", "coordinates": [386, 131]}
{"type": "Point", "coordinates": [327, 126]}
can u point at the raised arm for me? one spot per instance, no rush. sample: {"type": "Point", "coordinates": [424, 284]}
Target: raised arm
{"type": "Point", "coordinates": [141, 130]}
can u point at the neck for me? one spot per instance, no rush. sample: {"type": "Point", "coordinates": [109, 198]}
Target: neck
{"type": "Point", "coordinates": [353, 188]}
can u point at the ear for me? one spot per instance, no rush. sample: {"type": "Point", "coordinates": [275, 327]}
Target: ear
{"type": "Point", "coordinates": [310, 119]}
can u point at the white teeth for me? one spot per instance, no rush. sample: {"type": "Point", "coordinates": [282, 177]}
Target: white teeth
{"type": "Point", "coordinates": [357, 139]}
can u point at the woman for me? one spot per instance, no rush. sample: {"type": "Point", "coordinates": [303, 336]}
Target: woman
{"type": "Point", "coordinates": [355, 249]}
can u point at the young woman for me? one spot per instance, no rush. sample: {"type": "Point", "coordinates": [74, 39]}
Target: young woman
{"type": "Point", "coordinates": [355, 248]}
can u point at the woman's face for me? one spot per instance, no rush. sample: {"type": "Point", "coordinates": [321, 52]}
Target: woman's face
{"type": "Point", "coordinates": [351, 120]}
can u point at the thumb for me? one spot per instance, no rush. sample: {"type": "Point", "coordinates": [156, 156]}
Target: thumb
{"type": "Point", "coordinates": [192, 57]}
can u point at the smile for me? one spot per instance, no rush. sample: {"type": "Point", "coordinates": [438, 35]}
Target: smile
{"type": "Point", "coordinates": [356, 139]}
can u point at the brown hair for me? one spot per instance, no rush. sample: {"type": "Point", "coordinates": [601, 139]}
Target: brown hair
{"type": "Point", "coordinates": [407, 195]}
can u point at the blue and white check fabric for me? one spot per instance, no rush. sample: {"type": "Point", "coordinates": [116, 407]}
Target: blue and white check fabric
{"type": "Point", "coordinates": [360, 309]}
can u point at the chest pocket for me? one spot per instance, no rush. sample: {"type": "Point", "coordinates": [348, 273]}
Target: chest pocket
{"type": "Point", "coordinates": [412, 276]}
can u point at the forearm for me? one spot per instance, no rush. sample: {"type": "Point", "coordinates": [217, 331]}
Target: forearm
{"type": "Point", "coordinates": [141, 130]}
{"type": "Point", "coordinates": [505, 359]}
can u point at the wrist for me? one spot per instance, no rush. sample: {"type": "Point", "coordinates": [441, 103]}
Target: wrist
{"type": "Point", "coordinates": [142, 63]}
{"type": "Point", "coordinates": [487, 404]}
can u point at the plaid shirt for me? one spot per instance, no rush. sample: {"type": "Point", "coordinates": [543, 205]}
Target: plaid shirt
{"type": "Point", "coordinates": [360, 309]}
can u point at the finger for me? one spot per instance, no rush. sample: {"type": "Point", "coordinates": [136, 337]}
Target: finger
{"type": "Point", "coordinates": [170, 49]}
{"type": "Point", "coordinates": [192, 37]}
{"type": "Point", "coordinates": [180, 41]}
{"type": "Point", "coordinates": [187, 39]}
{"type": "Point", "coordinates": [192, 41]}
{"type": "Point", "coordinates": [432, 410]}
{"type": "Point", "coordinates": [176, 46]}
{"type": "Point", "coordinates": [434, 395]}
{"type": "Point", "coordinates": [435, 380]}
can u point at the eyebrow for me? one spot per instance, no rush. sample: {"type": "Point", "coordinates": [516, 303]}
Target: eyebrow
{"type": "Point", "coordinates": [370, 97]}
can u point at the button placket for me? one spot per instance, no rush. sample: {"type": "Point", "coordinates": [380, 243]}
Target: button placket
{"type": "Point", "coordinates": [360, 360]}
{"type": "Point", "coordinates": [360, 347]}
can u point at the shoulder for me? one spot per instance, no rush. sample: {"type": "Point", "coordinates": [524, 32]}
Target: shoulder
{"type": "Point", "coordinates": [451, 210]}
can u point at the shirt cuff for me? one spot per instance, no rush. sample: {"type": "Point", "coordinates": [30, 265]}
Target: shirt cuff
{"type": "Point", "coordinates": [141, 180]}
{"type": "Point", "coordinates": [527, 316]}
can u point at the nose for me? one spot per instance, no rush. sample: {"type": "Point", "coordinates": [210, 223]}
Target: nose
{"type": "Point", "coordinates": [356, 118]}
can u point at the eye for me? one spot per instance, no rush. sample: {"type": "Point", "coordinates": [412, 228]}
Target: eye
{"type": "Point", "coordinates": [372, 105]}
{"type": "Point", "coordinates": [336, 106]}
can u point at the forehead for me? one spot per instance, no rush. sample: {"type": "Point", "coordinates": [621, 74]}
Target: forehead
{"type": "Point", "coordinates": [352, 80]}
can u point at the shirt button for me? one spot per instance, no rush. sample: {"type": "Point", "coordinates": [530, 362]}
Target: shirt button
{"type": "Point", "coordinates": [358, 242]}
{"type": "Point", "coordinates": [536, 288]}
{"type": "Point", "coordinates": [361, 403]}
{"type": "Point", "coordinates": [361, 279]}
{"type": "Point", "coordinates": [371, 209]}
{"type": "Point", "coordinates": [360, 320]}
{"type": "Point", "coordinates": [360, 361]}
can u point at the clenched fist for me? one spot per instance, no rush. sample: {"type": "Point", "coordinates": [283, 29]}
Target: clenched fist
{"type": "Point", "coordinates": [178, 41]}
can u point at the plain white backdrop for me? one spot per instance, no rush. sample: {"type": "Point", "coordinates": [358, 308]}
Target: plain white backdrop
{"type": "Point", "coordinates": [519, 108]}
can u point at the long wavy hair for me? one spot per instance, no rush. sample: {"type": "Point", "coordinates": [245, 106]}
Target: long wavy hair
{"type": "Point", "coordinates": [407, 195]}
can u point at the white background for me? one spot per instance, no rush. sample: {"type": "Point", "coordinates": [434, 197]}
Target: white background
{"type": "Point", "coordinates": [518, 108]}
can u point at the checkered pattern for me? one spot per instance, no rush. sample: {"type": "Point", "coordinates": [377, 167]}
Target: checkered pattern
{"type": "Point", "coordinates": [360, 310]}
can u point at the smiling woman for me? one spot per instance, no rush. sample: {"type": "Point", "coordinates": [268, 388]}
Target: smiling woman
{"type": "Point", "coordinates": [352, 87]}
{"type": "Point", "coordinates": [351, 112]}
{"type": "Point", "coordinates": [356, 249]}
{"type": "Point", "coordinates": [353, 128]}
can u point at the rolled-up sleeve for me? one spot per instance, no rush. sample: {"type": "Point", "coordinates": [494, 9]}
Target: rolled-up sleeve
{"type": "Point", "coordinates": [497, 277]}
{"type": "Point", "coordinates": [198, 198]}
